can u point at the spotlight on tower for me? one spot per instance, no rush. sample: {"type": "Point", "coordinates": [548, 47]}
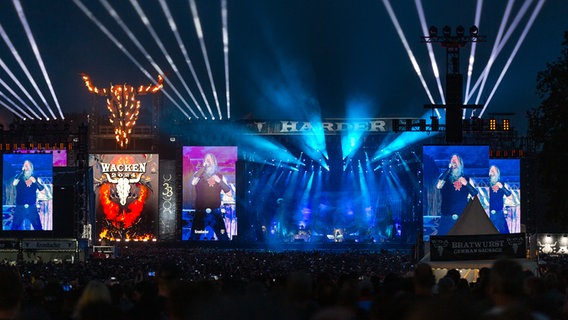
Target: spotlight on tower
{"type": "Point", "coordinates": [473, 32]}
{"type": "Point", "coordinates": [433, 31]}
{"type": "Point", "coordinates": [460, 31]}
{"type": "Point", "coordinates": [447, 31]}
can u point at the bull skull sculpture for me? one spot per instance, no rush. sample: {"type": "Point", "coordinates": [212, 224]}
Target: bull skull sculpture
{"type": "Point", "coordinates": [123, 106]}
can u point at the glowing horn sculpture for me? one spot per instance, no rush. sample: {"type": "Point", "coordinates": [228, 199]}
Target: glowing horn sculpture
{"type": "Point", "coordinates": [123, 106]}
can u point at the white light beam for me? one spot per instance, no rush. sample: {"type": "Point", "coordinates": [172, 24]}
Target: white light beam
{"type": "Point", "coordinates": [119, 45]}
{"type": "Point", "coordinates": [471, 60]}
{"type": "Point", "coordinates": [148, 57]}
{"type": "Point", "coordinates": [24, 68]}
{"type": "Point", "coordinates": [35, 49]}
{"type": "Point", "coordinates": [224, 16]}
{"type": "Point", "coordinates": [5, 85]}
{"type": "Point", "coordinates": [146, 22]}
{"type": "Point", "coordinates": [199, 30]}
{"type": "Point", "coordinates": [174, 29]}
{"type": "Point", "coordinates": [27, 116]}
{"type": "Point", "coordinates": [426, 32]}
{"type": "Point", "coordinates": [408, 51]}
{"type": "Point", "coordinates": [514, 53]}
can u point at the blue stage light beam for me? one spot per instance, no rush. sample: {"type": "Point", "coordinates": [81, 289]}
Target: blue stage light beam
{"type": "Point", "coordinates": [200, 36]}
{"type": "Point", "coordinates": [114, 14]}
{"type": "Point", "coordinates": [183, 50]}
{"type": "Point", "coordinates": [312, 143]}
{"type": "Point", "coordinates": [430, 48]}
{"type": "Point", "coordinates": [121, 47]}
{"type": "Point", "coordinates": [224, 17]}
{"type": "Point", "coordinates": [514, 53]}
{"type": "Point", "coordinates": [395, 184]}
{"type": "Point", "coordinates": [409, 52]}
{"type": "Point", "coordinates": [39, 60]}
{"type": "Point", "coordinates": [24, 68]}
{"type": "Point", "coordinates": [353, 137]}
{"type": "Point", "coordinates": [364, 186]}
{"type": "Point", "coordinates": [259, 149]}
{"type": "Point", "coordinates": [146, 21]}
{"type": "Point", "coordinates": [403, 140]}
{"type": "Point", "coordinates": [307, 189]}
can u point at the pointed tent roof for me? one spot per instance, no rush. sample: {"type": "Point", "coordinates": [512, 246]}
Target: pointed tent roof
{"type": "Point", "coordinates": [473, 220]}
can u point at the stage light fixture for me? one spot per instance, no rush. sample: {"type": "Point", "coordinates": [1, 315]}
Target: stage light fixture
{"type": "Point", "coordinates": [473, 31]}
{"type": "Point", "coordinates": [492, 124]}
{"type": "Point", "coordinates": [447, 31]}
{"type": "Point", "coordinates": [435, 123]}
{"type": "Point", "coordinates": [460, 31]}
{"type": "Point", "coordinates": [506, 125]}
{"type": "Point", "coordinates": [433, 32]}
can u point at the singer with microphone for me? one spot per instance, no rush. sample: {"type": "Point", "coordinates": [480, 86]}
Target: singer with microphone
{"type": "Point", "coordinates": [209, 183]}
{"type": "Point", "coordinates": [27, 186]}
{"type": "Point", "coordinates": [455, 190]}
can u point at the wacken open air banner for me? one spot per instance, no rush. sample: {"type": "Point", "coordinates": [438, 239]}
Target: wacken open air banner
{"type": "Point", "coordinates": [126, 199]}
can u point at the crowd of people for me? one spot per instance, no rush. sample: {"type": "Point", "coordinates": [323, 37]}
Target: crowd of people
{"type": "Point", "coordinates": [149, 282]}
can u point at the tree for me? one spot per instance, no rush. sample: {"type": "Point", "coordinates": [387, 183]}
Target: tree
{"type": "Point", "coordinates": [548, 127]}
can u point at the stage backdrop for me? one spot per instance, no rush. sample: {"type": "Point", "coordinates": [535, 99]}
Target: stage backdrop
{"type": "Point", "coordinates": [126, 195]}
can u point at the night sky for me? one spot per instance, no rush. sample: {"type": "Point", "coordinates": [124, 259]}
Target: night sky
{"type": "Point", "coordinates": [287, 59]}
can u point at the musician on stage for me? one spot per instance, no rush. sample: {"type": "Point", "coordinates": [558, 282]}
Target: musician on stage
{"type": "Point", "coordinates": [455, 190]}
{"type": "Point", "coordinates": [209, 182]}
{"type": "Point", "coordinates": [27, 185]}
{"type": "Point", "coordinates": [497, 192]}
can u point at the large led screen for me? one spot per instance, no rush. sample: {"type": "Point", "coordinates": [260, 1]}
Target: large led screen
{"type": "Point", "coordinates": [27, 200]}
{"type": "Point", "coordinates": [209, 208]}
{"type": "Point", "coordinates": [126, 196]}
{"type": "Point", "coordinates": [59, 156]}
{"type": "Point", "coordinates": [453, 175]}
{"type": "Point", "coordinates": [500, 194]}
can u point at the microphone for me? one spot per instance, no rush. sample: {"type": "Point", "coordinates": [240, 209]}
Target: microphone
{"type": "Point", "coordinates": [20, 175]}
{"type": "Point", "coordinates": [200, 172]}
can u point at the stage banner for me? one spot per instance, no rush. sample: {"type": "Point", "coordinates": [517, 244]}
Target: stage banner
{"type": "Point", "coordinates": [50, 245]}
{"type": "Point", "coordinates": [167, 201]}
{"type": "Point", "coordinates": [477, 247]}
{"type": "Point", "coordinates": [126, 196]}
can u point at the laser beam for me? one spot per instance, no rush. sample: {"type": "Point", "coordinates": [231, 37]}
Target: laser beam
{"type": "Point", "coordinates": [146, 22]}
{"type": "Point", "coordinates": [471, 60]}
{"type": "Point", "coordinates": [119, 45]}
{"type": "Point", "coordinates": [514, 53]}
{"type": "Point", "coordinates": [224, 17]}
{"type": "Point", "coordinates": [181, 45]}
{"type": "Point", "coordinates": [425, 31]}
{"type": "Point", "coordinates": [137, 43]}
{"type": "Point", "coordinates": [24, 68]}
{"type": "Point", "coordinates": [200, 36]}
{"type": "Point", "coordinates": [402, 37]}
{"type": "Point", "coordinates": [35, 49]}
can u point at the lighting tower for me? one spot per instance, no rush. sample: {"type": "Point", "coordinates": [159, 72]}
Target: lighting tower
{"type": "Point", "coordinates": [454, 79]}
